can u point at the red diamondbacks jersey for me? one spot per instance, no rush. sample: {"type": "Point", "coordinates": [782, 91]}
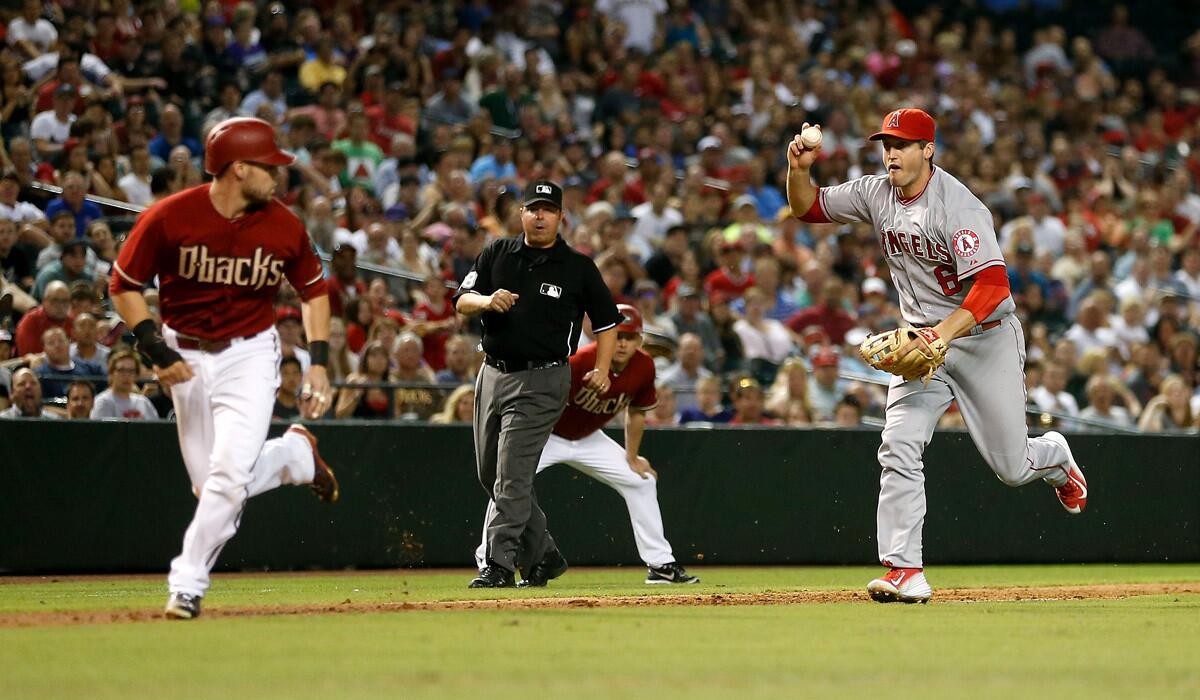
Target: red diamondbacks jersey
{"type": "Point", "coordinates": [217, 277]}
{"type": "Point", "coordinates": [586, 413]}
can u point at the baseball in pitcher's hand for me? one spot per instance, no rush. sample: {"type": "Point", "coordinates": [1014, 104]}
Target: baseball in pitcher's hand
{"type": "Point", "coordinates": [799, 157]}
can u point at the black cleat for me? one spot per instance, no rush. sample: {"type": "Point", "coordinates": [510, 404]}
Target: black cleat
{"type": "Point", "coordinates": [671, 573]}
{"type": "Point", "coordinates": [182, 606]}
{"type": "Point", "coordinates": [493, 576]}
{"type": "Point", "coordinates": [550, 567]}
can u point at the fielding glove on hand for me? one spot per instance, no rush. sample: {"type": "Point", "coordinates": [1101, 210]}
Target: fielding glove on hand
{"type": "Point", "coordinates": [921, 360]}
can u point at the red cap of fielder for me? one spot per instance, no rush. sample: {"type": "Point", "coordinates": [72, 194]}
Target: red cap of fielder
{"type": "Point", "coordinates": [633, 319]}
{"type": "Point", "coordinates": [242, 138]}
{"type": "Point", "coordinates": [910, 124]}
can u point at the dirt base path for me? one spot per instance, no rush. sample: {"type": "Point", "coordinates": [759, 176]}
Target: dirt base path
{"type": "Point", "coordinates": [946, 595]}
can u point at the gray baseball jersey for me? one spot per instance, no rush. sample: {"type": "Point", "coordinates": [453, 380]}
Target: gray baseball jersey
{"type": "Point", "coordinates": [933, 242]}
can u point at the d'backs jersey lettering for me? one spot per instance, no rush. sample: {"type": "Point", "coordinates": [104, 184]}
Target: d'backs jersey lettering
{"type": "Point", "coordinates": [587, 411]}
{"type": "Point", "coordinates": [933, 242]}
{"type": "Point", "coordinates": [217, 277]}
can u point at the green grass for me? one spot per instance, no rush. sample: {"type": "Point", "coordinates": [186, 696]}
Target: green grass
{"type": "Point", "coordinates": [1136, 648]}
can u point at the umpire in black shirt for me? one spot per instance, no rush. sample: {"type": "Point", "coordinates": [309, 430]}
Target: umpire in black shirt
{"type": "Point", "coordinates": [532, 291]}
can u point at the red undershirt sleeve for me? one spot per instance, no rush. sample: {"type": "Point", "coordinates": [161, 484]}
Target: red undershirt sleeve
{"type": "Point", "coordinates": [815, 214]}
{"type": "Point", "coordinates": [990, 289]}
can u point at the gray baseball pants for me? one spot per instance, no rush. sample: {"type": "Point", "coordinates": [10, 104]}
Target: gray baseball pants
{"type": "Point", "coordinates": [985, 373]}
{"type": "Point", "coordinates": [514, 415]}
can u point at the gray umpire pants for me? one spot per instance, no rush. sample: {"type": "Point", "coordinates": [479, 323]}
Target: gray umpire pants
{"type": "Point", "coordinates": [514, 415]}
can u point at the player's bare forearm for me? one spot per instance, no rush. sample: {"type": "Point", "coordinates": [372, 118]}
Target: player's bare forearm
{"type": "Point", "coordinates": [606, 344]}
{"type": "Point", "coordinates": [956, 324]}
{"type": "Point", "coordinates": [800, 190]}
{"type": "Point", "coordinates": [635, 427]}
{"type": "Point", "coordinates": [316, 315]}
{"type": "Point", "coordinates": [132, 307]}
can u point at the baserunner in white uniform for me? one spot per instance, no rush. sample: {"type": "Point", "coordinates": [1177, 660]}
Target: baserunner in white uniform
{"type": "Point", "coordinates": [947, 268]}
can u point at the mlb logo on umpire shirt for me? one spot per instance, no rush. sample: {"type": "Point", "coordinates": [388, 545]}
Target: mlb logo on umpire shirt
{"type": "Point", "coordinates": [551, 290]}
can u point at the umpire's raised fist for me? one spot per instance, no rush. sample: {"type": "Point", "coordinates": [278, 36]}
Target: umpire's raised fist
{"type": "Point", "coordinates": [502, 300]}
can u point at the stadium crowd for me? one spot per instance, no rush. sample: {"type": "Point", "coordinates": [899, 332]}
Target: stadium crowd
{"type": "Point", "coordinates": [417, 123]}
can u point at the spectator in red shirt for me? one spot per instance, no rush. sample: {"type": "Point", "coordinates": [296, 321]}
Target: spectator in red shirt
{"type": "Point", "coordinates": [748, 404]}
{"type": "Point", "coordinates": [53, 313]}
{"type": "Point", "coordinates": [359, 317]}
{"type": "Point", "coordinates": [826, 312]}
{"type": "Point", "coordinates": [729, 278]}
{"type": "Point", "coordinates": [436, 320]}
{"type": "Point", "coordinates": [388, 118]}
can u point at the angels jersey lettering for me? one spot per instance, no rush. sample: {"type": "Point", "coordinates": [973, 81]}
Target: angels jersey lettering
{"type": "Point", "coordinates": [933, 242]}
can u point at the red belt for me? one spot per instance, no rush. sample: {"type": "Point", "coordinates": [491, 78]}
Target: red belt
{"type": "Point", "coordinates": [212, 346]}
{"type": "Point", "coordinates": [986, 326]}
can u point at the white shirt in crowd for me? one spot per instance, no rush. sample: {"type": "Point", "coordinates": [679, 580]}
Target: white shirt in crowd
{"type": "Point", "coordinates": [47, 126]}
{"type": "Point", "coordinates": [1117, 417]}
{"type": "Point", "coordinates": [22, 213]}
{"type": "Point", "coordinates": [41, 33]}
{"type": "Point", "coordinates": [109, 405]}
{"type": "Point", "coordinates": [652, 227]}
{"type": "Point", "coordinates": [1062, 402]}
{"type": "Point", "coordinates": [137, 189]}
{"type": "Point", "coordinates": [772, 343]}
{"type": "Point", "coordinates": [1085, 340]}
{"type": "Point", "coordinates": [90, 65]}
{"type": "Point", "coordinates": [639, 17]}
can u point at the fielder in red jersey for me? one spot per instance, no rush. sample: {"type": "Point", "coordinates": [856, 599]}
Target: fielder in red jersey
{"type": "Point", "coordinates": [578, 441]}
{"type": "Point", "coordinates": [220, 252]}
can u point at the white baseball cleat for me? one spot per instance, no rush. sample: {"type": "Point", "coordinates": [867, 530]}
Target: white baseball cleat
{"type": "Point", "coordinates": [901, 586]}
{"type": "Point", "coordinates": [1073, 494]}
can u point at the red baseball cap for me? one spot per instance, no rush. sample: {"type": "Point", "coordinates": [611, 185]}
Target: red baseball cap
{"type": "Point", "coordinates": [910, 124]}
{"type": "Point", "coordinates": [825, 357]}
{"type": "Point", "coordinates": [631, 319]}
{"type": "Point", "coordinates": [288, 313]}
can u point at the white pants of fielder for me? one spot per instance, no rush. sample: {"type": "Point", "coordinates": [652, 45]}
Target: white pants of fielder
{"type": "Point", "coordinates": [601, 458]}
{"type": "Point", "coordinates": [985, 373]}
{"type": "Point", "coordinates": [222, 414]}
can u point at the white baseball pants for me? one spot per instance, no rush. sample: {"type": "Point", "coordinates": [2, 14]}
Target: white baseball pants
{"type": "Point", "coordinates": [603, 459]}
{"type": "Point", "coordinates": [222, 414]}
{"type": "Point", "coordinates": [985, 373]}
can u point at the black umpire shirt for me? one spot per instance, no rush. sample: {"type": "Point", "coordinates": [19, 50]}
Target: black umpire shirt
{"type": "Point", "coordinates": [556, 286]}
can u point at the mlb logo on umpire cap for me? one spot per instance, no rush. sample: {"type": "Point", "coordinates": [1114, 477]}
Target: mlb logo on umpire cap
{"type": "Point", "coordinates": [544, 191]}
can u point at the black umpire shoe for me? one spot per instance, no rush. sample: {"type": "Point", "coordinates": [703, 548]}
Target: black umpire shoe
{"type": "Point", "coordinates": [183, 606]}
{"type": "Point", "coordinates": [671, 573]}
{"type": "Point", "coordinates": [493, 576]}
{"type": "Point", "coordinates": [550, 567]}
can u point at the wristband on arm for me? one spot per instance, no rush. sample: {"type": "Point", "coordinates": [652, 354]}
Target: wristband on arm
{"type": "Point", "coordinates": [318, 351]}
{"type": "Point", "coordinates": [151, 344]}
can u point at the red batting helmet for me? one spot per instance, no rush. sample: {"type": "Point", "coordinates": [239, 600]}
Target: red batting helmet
{"type": "Point", "coordinates": [242, 138]}
{"type": "Point", "coordinates": [632, 322]}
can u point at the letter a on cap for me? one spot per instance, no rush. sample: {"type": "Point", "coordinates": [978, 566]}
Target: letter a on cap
{"type": "Point", "coordinates": [894, 120]}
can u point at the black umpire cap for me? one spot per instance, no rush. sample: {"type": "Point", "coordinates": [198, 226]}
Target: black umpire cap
{"type": "Point", "coordinates": [543, 191]}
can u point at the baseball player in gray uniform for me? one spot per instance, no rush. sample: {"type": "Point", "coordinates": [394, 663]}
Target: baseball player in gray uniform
{"type": "Point", "coordinates": [947, 267]}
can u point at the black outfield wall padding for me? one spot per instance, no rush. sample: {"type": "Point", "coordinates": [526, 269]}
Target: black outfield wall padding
{"type": "Point", "coordinates": [88, 496]}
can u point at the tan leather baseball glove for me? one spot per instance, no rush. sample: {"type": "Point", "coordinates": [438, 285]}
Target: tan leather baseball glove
{"type": "Point", "coordinates": [926, 352]}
